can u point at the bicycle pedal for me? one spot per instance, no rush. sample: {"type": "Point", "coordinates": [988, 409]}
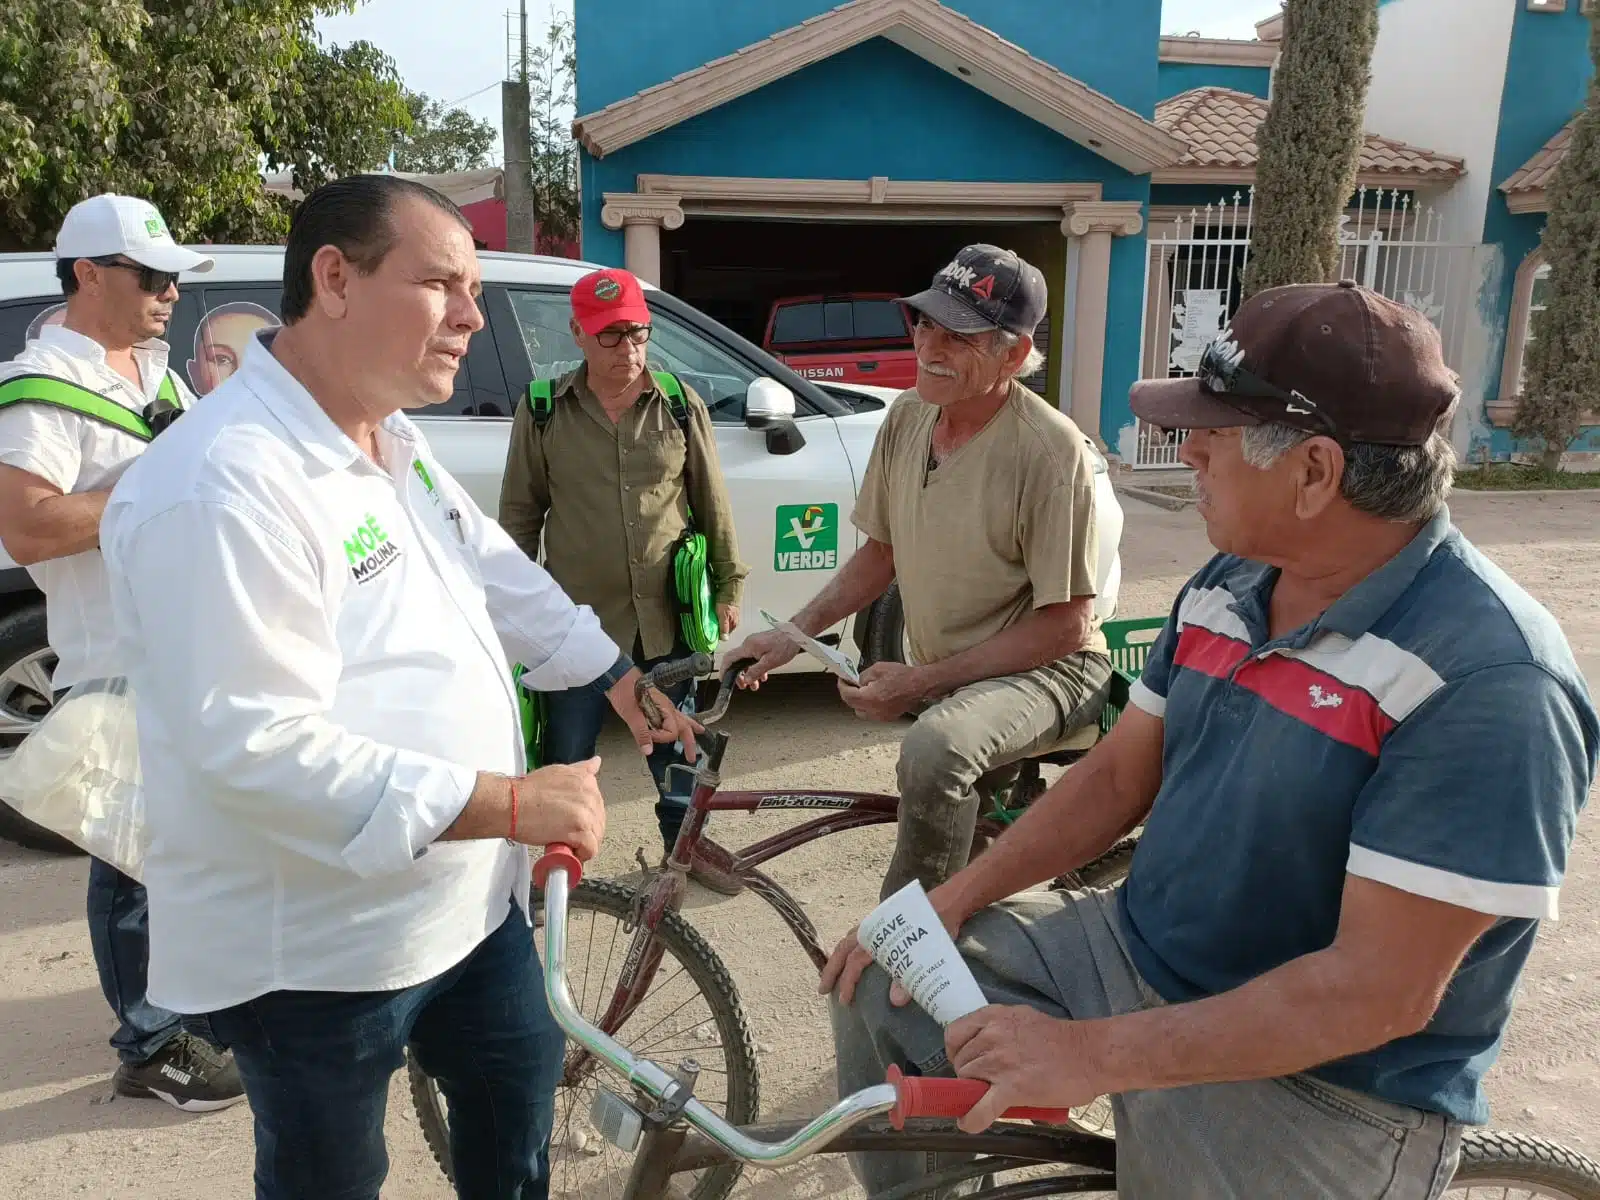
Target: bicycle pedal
{"type": "Point", "coordinates": [617, 1121]}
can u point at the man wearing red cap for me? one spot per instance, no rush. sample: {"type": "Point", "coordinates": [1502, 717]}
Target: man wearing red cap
{"type": "Point", "coordinates": [609, 464]}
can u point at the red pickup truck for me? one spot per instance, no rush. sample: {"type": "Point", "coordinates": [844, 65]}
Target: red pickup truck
{"type": "Point", "coordinates": [856, 337]}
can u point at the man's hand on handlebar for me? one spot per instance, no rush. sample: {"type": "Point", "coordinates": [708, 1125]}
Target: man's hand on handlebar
{"type": "Point", "coordinates": [1026, 1057]}
{"type": "Point", "coordinates": [674, 727]}
{"type": "Point", "coordinates": [562, 804]}
{"type": "Point", "coordinates": [769, 651]}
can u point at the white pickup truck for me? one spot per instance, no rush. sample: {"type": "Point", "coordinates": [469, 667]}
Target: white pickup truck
{"type": "Point", "coordinates": [793, 451]}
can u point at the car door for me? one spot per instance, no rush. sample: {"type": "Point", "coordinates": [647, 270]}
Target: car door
{"type": "Point", "coordinates": [791, 510]}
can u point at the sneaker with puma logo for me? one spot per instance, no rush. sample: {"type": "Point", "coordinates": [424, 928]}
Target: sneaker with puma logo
{"type": "Point", "coordinates": [186, 1073]}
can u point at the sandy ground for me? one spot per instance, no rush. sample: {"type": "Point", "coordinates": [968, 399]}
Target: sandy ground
{"type": "Point", "coordinates": [62, 1135]}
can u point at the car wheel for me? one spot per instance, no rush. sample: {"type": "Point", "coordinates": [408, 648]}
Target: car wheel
{"type": "Point", "coordinates": [886, 631]}
{"type": "Point", "coordinates": [26, 666]}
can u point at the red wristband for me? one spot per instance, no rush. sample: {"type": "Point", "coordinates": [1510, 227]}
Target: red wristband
{"type": "Point", "coordinates": [513, 833]}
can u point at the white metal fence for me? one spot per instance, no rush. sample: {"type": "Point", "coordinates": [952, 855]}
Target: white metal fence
{"type": "Point", "coordinates": [1195, 270]}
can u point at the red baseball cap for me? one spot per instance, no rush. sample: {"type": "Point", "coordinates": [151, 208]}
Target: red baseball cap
{"type": "Point", "coordinates": [607, 297]}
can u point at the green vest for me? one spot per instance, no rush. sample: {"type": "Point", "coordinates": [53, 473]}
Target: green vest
{"type": "Point", "coordinates": [54, 392]}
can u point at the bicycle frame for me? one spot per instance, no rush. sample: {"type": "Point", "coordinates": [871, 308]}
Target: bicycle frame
{"type": "Point", "coordinates": [681, 1134]}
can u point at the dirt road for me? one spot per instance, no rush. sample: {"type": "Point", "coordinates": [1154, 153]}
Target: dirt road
{"type": "Point", "coordinates": [62, 1136]}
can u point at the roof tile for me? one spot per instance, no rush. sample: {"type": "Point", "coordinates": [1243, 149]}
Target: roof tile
{"type": "Point", "coordinates": [1535, 175]}
{"type": "Point", "coordinates": [1220, 125]}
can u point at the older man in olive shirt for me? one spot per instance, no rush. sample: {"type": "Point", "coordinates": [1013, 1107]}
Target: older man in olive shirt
{"type": "Point", "coordinates": [979, 502]}
{"type": "Point", "coordinates": [609, 480]}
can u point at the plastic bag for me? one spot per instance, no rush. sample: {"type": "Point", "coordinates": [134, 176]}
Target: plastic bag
{"type": "Point", "coordinates": [77, 774]}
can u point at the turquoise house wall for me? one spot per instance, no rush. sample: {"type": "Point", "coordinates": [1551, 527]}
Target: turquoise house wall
{"type": "Point", "coordinates": [1175, 78]}
{"type": "Point", "coordinates": [1547, 76]}
{"type": "Point", "coordinates": [876, 109]}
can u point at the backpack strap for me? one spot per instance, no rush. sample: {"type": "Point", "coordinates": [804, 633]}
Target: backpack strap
{"type": "Point", "coordinates": [54, 392]}
{"type": "Point", "coordinates": [541, 401]}
{"type": "Point", "coordinates": [676, 404]}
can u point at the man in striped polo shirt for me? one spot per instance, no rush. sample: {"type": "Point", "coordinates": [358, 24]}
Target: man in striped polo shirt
{"type": "Point", "coordinates": [1359, 752]}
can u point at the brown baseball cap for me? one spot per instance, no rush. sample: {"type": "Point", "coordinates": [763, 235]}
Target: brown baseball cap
{"type": "Point", "coordinates": [1330, 358]}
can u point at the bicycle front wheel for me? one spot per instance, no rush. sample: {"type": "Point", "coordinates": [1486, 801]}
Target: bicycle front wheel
{"type": "Point", "coordinates": [1496, 1165]}
{"type": "Point", "coordinates": [690, 1010]}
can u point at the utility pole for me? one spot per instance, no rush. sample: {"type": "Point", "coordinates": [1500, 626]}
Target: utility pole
{"type": "Point", "coordinates": [517, 144]}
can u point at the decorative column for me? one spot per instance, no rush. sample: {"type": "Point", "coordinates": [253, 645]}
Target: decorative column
{"type": "Point", "coordinates": [1094, 223]}
{"type": "Point", "coordinates": [641, 216]}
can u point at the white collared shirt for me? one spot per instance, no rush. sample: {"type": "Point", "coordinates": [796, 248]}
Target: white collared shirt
{"type": "Point", "coordinates": [78, 454]}
{"type": "Point", "coordinates": [318, 648]}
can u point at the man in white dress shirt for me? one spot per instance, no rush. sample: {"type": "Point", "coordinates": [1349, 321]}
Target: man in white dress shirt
{"type": "Point", "coordinates": [318, 621]}
{"type": "Point", "coordinates": [72, 417]}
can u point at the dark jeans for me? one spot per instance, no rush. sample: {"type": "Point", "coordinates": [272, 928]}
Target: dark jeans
{"type": "Point", "coordinates": [316, 1068]}
{"type": "Point", "coordinates": [573, 720]}
{"type": "Point", "coordinates": [119, 932]}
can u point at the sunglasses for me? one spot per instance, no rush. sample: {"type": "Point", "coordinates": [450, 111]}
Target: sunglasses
{"type": "Point", "coordinates": [612, 338]}
{"type": "Point", "coordinates": [1222, 373]}
{"type": "Point", "coordinates": [151, 281]}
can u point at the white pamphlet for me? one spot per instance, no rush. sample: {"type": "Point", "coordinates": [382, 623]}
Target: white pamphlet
{"type": "Point", "coordinates": [833, 659]}
{"type": "Point", "coordinates": [906, 938]}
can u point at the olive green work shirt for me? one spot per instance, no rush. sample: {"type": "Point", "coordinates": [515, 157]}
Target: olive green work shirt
{"type": "Point", "coordinates": [611, 501]}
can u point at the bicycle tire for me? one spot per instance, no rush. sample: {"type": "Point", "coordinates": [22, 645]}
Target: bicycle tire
{"type": "Point", "coordinates": [1110, 869]}
{"type": "Point", "coordinates": [708, 973]}
{"type": "Point", "coordinates": [1498, 1158]}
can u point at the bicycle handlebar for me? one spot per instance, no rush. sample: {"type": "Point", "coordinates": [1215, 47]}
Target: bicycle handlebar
{"type": "Point", "coordinates": [901, 1098]}
{"type": "Point", "coordinates": [928, 1096]}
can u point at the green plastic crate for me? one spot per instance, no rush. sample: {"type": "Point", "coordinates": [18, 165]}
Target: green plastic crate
{"type": "Point", "coordinates": [1129, 643]}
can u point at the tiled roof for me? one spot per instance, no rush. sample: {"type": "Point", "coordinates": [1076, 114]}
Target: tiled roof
{"type": "Point", "coordinates": [1220, 125]}
{"type": "Point", "coordinates": [1535, 175]}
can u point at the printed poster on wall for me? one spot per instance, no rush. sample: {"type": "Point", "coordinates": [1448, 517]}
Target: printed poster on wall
{"type": "Point", "coordinates": [1198, 315]}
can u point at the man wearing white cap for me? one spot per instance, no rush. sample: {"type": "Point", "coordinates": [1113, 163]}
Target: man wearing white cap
{"type": "Point", "coordinates": [62, 447]}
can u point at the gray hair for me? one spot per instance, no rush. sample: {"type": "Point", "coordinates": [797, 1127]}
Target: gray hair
{"type": "Point", "coordinates": [1392, 483]}
{"type": "Point", "coordinates": [1031, 365]}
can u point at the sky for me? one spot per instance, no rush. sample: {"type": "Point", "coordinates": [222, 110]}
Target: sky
{"type": "Point", "coordinates": [463, 59]}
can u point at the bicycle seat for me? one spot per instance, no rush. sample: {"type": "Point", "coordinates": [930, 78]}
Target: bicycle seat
{"type": "Point", "coordinates": [1071, 749]}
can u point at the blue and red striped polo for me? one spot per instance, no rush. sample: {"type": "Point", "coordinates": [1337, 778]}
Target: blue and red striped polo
{"type": "Point", "coordinates": [1430, 731]}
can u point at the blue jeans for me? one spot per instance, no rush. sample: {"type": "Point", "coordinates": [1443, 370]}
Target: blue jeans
{"type": "Point", "coordinates": [316, 1068]}
{"type": "Point", "coordinates": [119, 933]}
{"type": "Point", "coordinates": [573, 720]}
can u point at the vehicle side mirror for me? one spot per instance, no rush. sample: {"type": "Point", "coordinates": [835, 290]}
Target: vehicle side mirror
{"type": "Point", "coordinates": [769, 407]}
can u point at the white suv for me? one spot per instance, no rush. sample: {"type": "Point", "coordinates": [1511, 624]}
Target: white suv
{"type": "Point", "coordinates": [793, 451]}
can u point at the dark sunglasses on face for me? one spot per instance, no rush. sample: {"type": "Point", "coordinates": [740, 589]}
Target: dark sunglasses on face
{"type": "Point", "coordinates": [1222, 372]}
{"type": "Point", "coordinates": [151, 281]}
{"type": "Point", "coordinates": [612, 338]}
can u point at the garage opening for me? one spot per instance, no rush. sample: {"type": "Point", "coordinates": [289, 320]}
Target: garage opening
{"type": "Point", "coordinates": [736, 269]}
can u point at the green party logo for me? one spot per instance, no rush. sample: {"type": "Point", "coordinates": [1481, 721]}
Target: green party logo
{"type": "Point", "coordinates": [807, 537]}
{"type": "Point", "coordinates": [154, 227]}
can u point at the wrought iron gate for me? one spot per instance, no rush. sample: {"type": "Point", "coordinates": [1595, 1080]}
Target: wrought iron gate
{"type": "Point", "coordinates": [1195, 271]}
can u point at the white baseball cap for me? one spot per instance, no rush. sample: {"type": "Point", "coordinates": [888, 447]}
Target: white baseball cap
{"type": "Point", "coordinates": [110, 224]}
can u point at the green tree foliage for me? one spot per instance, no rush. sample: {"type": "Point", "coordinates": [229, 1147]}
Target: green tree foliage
{"type": "Point", "coordinates": [1310, 143]}
{"type": "Point", "coordinates": [442, 139]}
{"type": "Point", "coordinates": [1563, 363]}
{"type": "Point", "coordinates": [183, 102]}
{"type": "Point", "coordinates": [552, 76]}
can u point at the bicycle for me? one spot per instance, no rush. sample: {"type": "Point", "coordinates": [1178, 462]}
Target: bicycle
{"type": "Point", "coordinates": [670, 1132]}
{"type": "Point", "coordinates": [650, 921]}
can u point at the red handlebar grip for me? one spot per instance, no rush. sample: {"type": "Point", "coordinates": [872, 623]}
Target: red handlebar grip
{"type": "Point", "coordinates": [556, 855]}
{"type": "Point", "coordinates": [923, 1096]}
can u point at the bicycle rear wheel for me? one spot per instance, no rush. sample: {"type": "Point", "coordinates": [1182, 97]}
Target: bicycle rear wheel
{"type": "Point", "coordinates": [1496, 1165]}
{"type": "Point", "coordinates": [691, 1009]}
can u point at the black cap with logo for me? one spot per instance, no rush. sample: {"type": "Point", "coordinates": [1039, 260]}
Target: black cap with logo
{"type": "Point", "coordinates": [985, 288]}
